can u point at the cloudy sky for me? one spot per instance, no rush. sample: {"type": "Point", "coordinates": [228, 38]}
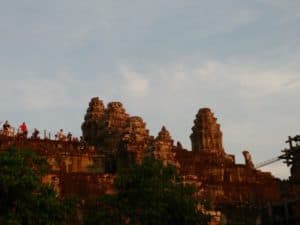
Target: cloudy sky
{"type": "Point", "coordinates": [164, 59]}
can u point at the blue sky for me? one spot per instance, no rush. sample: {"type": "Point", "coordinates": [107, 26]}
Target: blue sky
{"type": "Point", "coordinates": [163, 59]}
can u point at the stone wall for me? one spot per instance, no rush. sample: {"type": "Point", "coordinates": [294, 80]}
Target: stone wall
{"type": "Point", "coordinates": [75, 169]}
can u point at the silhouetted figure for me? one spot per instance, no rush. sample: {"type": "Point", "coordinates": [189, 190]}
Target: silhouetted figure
{"type": "Point", "coordinates": [23, 131]}
{"type": "Point", "coordinates": [7, 129]}
{"type": "Point", "coordinates": [6, 126]}
{"type": "Point", "coordinates": [35, 134]}
{"type": "Point", "coordinates": [69, 136]}
{"type": "Point", "coordinates": [179, 145]}
{"type": "Point", "coordinates": [61, 136]}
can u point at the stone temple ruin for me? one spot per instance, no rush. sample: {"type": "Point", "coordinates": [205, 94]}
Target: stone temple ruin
{"type": "Point", "coordinates": [114, 139]}
{"type": "Point", "coordinates": [121, 139]}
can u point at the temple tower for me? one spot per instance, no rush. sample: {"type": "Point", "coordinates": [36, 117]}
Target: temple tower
{"type": "Point", "coordinates": [136, 138]}
{"type": "Point", "coordinates": [92, 119]}
{"type": "Point", "coordinates": [163, 146]}
{"type": "Point", "coordinates": [112, 127]}
{"type": "Point", "coordinates": [206, 133]}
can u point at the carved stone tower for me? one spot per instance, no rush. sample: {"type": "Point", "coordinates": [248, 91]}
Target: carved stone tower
{"type": "Point", "coordinates": [112, 127]}
{"type": "Point", "coordinates": [92, 119]}
{"type": "Point", "coordinates": [163, 146]}
{"type": "Point", "coordinates": [206, 133]}
{"type": "Point", "coordinates": [136, 137]}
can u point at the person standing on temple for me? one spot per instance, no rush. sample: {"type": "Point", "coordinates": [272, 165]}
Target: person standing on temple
{"type": "Point", "coordinates": [35, 134]}
{"type": "Point", "coordinates": [69, 136]}
{"type": "Point", "coordinates": [6, 128]}
{"type": "Point", "coordinates": [23, 129]}
{"type": "Point", "coordinates": [60, 135]}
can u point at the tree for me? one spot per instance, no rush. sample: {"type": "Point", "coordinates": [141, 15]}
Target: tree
{"type": "Point", "coordinates": [148, 194]}
{"type": "Point", "coordinates": [24, 200]}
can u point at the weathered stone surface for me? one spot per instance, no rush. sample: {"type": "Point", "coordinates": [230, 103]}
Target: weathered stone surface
{"type": "Point", "coordinates": [74, 169]}
{"type": "Point", "coordinates": [226, 182]}
{"type": "Point", "coordinates": [163, 148]}
{"type": "Point", "coordinates": [93, 117]}
{"type": "Point", "coordinates": [86, 186]}
{"type": "Point", "coordinates": [112, 127]}
{"type": "Point", "coordinates": [206, 133]}
{"type": "Point", "coordinates": [135, 139]}
{"type": "Point", "coordinates": [104, 127]}
{"type": "Point", "coordinates": [115, 116]}
{"type": "Point", "coordinates": [63, 157]}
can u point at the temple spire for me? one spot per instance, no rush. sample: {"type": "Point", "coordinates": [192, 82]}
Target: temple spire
{"type": "Point", "coordinates": [206, 133]}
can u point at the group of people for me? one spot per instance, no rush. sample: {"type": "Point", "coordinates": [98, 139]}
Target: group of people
{"type": "Point", "coordinates": [22, 131]}
{"type": "Point", "coordinates": [62, 137]}
{"type": "Point", "coordinates": [8, 130]}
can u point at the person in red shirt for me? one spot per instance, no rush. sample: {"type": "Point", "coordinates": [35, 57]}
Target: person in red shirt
{"type": "Point", "coordinates": [23, 129]}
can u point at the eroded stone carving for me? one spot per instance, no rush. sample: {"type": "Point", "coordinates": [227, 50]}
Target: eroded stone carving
{"type": "Point", "coordinates": [163, 148]}
{"type": "Point", "coordinates": [206, 133]}
{"type": "Point", "coordinates": [112, 127]}
{"type": "Point", "coordinates": [135, 138]}
{"type": "Point", "coordinates": [92, 120]}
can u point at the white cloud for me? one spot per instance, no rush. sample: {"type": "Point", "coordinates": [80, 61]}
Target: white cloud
{"type": "Point", "coordinates": [135, 84]}
{"type": "Point", "coordinates": [247, 80]}
{"type": "Point", "coordinates": [250, 81]}
{"type": "Point", "coordinates": [235, 85]}
{"type": "Point", "coordinates": [243, 93]}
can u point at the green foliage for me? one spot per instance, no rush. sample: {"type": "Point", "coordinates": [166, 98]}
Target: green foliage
{"type": "Point", "coordinates": [148, 194]}
{"type": "Point", "coordinates": [24, 200]}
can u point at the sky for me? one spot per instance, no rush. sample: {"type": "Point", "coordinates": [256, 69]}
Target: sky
{"type": "Point", "coordinates": [163, 59]}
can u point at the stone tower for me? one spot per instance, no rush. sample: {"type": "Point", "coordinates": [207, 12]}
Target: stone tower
{"type": "Point", "coordinates": [163, 146]}
{"type": "Point", "coordinates": [112, 127]}
{"type": "Point", "coordinates": [206, 133]}
{"type": "Point", "coordinates": [92, 120]}
{"type": "Point", "coordinates": [136, 138]}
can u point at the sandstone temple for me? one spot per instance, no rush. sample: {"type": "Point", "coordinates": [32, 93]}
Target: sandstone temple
{"type": "Point", "coordinates": [114, 139]}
